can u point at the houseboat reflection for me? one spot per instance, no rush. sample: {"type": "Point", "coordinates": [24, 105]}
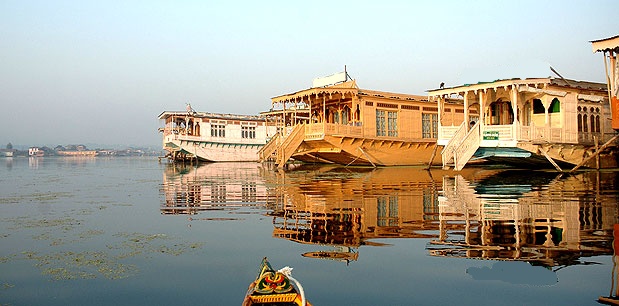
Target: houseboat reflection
{"type": "Point", "coordinates": [537, 217]}
{"type": "Point", "coordinates": [543, 219]}
{"type": "Point", "coordinates": [189, 189]}
{"type": "Point", "coordinates": [345, 208]}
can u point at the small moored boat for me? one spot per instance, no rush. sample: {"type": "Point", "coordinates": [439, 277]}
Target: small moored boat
{"type": "Point", "coordinates": [275, 288]}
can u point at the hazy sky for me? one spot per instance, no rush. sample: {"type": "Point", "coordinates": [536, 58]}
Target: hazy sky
{"type": "Point", "coordinates": [102, 71]}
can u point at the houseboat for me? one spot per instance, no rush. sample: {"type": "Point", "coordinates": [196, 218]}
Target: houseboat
{"type": "Point", "coordinates": [610, 48]}
{"type": "Point", "coordinates": [353, 126]}
{"type": "Point", "coordinates": [211, 137]}
{"type": "Point", "coordinates": [83, 153]}
{"type": "Point", "coordinates": [35, 152]}
{"type": "Point", "coordinates": [538, 121]}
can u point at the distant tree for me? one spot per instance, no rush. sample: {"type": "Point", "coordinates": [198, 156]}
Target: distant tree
{"type": "Point", "coordinates": [9, 146]}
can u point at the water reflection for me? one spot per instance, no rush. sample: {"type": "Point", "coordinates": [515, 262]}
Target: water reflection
{"type": "Point", "coordinates": [345, 208]}
{"type": "Point", "coordinates": [541, 218]}
{"type": "Point", "coordinates": [190, 189]}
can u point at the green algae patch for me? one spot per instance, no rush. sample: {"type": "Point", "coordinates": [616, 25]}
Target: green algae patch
{"type": "Point", "coordinates": [144, 244]}
{"type": "Point", "coordinates": [35, 197]}
{"type": "Point", "coordinates": [84, 265]}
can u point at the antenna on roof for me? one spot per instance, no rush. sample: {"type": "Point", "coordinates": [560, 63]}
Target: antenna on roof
{"type": "Point", "coordinates": [562, 78]}
{"type": "Point", "coordinates": [346, 74]}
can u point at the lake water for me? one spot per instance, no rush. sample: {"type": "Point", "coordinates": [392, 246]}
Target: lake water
{"type": "Point", "coordinates": [133, 231]}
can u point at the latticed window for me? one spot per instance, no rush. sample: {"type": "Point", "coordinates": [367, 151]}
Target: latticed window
{"type": "Point", "coordinates": [392, 124]}
{"type": "Point", "coordinates": [589, 119]}
{"type": "Point", "coordinates": [386, 123]}
{"type": "Point", "coordinates": [345, 115]}
{"type": "Point", "coordinates": [429, 125]}
{"type": "Point", "coordinates": [381, 119]}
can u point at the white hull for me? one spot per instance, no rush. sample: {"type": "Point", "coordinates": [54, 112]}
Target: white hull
{"type": "Point", "coordinates": [215, 137]}
{"type": "Point", "coordinates": [215, 152]}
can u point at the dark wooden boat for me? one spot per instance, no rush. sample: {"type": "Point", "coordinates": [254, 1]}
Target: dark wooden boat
{"type": "Point", "coordinates": [274, 288]}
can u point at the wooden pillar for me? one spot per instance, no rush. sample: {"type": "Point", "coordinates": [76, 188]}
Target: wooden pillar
{"type": "Point", "coordinates": [546, 113]}
{"type": "Point", "coordinates": [466, 111]}
{"type": "Point", "coordinates": [324, 109]}
{"type": "Point", "coordinates": [482, 106]}
{"type": "Point", "coordinates": [514, 104]}
{"type": "Point", "coordinates": [440, 105]}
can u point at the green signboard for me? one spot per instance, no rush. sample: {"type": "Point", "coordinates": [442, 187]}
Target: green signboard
{"type": "Point", "coordinates": [491, 135]}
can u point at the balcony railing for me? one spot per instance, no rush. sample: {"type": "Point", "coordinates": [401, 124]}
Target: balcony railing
{"type": "Point", "coordinates": [314, 131]}
{"type": "Point", "coordinates": [514, 132]}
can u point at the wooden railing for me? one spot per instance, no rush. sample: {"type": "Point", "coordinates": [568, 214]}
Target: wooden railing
{"type": "Point", "coordinates": [467, 147]}
{"type": "Point", "coordinates": [316, 131]}
{"type": "Point", "coordinates": [267, 150]}
{"type": "Point", "coordinates": [290, 144]}
{"type": "Point", "coordinates": [448, 152]}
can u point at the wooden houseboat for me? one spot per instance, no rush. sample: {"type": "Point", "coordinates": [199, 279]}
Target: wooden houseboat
{"type": "Point", "coordinates": [353, 126]}
{"type": "Point", "coordinates": [191, 135]}
{"type": "Point", "coordinates": [610, 48]}
{"type": "Point", "coordinates": [544, 121]}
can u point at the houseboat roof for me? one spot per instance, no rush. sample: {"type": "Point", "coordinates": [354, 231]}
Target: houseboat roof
{"type": "Point", "coordinates": [606, 44]}
{"type": "Point", "coordinates": [530, 82]}
{"type": "Point", "coordinates": [349, 87]}
{"type": "Point", "coordinates": [167, 114]}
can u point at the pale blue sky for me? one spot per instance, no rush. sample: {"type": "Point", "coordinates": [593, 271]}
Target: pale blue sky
{"type": "Point", "coordinates": [102, 71]}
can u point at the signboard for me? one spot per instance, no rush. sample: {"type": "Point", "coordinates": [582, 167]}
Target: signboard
{"type": "Point", "coordinates": [329, 80]}
{"type": "Point", "coordinates": [490, 135]}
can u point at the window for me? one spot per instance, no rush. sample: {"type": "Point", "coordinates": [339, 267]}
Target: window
{"type": "Point", "coordinates": [218, 130]}
{"type": "Point", "coordinates": [248, 132]}
{"type": "Point", "coordinates": [429, 125]}
{"type": "Point", "coordinates": [345, 115]}
{"type": "Point", "coordinates": [555, 106]}
{"type": "Point", "coordinates": [392, 124]}
{"type": "Point", "coordinates": [538, 107]}
{"type": "Point", "coordinates": [380, 123]}
{"type": "Point", "coordinates": [386, 123]}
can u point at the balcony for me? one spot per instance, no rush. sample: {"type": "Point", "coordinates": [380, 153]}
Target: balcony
{"type": "Point", "coordinates": [317, 131]}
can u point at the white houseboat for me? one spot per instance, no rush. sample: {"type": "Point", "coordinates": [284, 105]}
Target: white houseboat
{"type": "Point", "coordinates": [552, 121]}
{"type": "Point", "coordinates": [211, 137]}
{"type": "Point", "coordinates": [35, 152]}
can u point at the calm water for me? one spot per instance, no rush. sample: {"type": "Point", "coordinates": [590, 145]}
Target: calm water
{"type": "Point", "coordinates": [132, 231]}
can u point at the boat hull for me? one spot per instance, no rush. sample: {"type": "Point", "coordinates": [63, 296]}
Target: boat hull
{"type": "Point", "coordinates": [212, 151]}
{"type": "Point", "coordinates": [366, 152]}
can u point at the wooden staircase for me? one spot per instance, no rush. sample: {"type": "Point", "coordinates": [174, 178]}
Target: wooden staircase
{"type": "Point", "coordinates": [289, 145]}
{"type": "Point", "coordinates": [461, 147]}
{"type": "Point", "coordinates": [266, 152]}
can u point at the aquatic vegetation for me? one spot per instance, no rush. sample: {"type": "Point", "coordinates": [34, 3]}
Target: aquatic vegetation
{"type": "Point", "coordinates": [35, 197]}
{"type": "Point", "coordinates": [137, 243]}
{"type": "Point", "coordinates": [61, 260]}
{"type": "Point", "coordinates": [83, 265]}
{"type": "Point", "coordinates": [6, 285]}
